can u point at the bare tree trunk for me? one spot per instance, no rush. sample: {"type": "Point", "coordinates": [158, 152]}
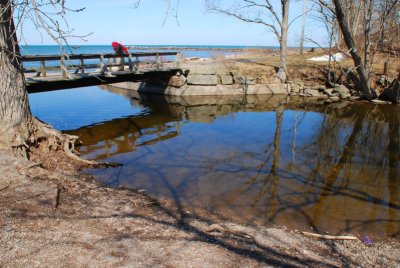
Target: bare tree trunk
{"type": "Point", "coordinates": [303, 25]}
{"type": "Point", "coordinates": [19, 129]}
{"type": "Point", "coordinates": [15, 114]}
{"type": "Point", "coordinates": [348, 38]}
{"type": "Point", "coordinates": [382, 26]}
{"type": "Point", "coordinates": [283, 40]}
{"type": "Point", "coordinates": [338, 34]}
{"type": "Point", "coordinates": [367, 32]}
{"type": "Point", "coordinates": [355, 19]}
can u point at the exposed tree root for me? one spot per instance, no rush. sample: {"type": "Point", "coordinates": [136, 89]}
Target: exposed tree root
{"type": "Point", "coordinates": [4, 187]}
{"type": "Point", "coordinates": [51, 139]}
{"type": "Point", "coordinates": [259, 239]}
{"type": "Point", "coordinates": [330, 237]}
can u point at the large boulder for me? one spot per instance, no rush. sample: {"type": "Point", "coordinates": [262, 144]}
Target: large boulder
{"type": "Point", "coordinates": [344, 95]}
{"type": "Point", "coordinates": [392, 93]}
{"type": "Point", "coordinates": [313, 92]}
{"type": "Point", "coordinates": [200, 90]}
{"type": "Point", "coordinates": [274, 89]}
{"type": "Point", "coordinates": [207, 69]}
{"type": "Point", "coordinates": [341, 90]}
{"type": "Point", "coordinates": [328, 92]}
{"type": "Point", "coordinates": [177, 81]}
{"type": "Point", "coordinates": [245, 80]}
{"type": "Point", "coordinates": [226, 79]}
{"type": "Point", "coordinates": [297, 87]}
{"type": "Point", "coordinates": [202, 80]}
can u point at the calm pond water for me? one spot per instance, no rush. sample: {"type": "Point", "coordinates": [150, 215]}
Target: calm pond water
{"type": "Point", "coordinates": [256, 160]}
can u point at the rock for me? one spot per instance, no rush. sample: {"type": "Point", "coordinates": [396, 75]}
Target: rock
{"type": "Point", "coordinates": [376, 101]}
{"type": "Point", "coordinates": [334, 98]}
{"type": "Point", "coordinates": [392, 93]}
{"type": "Point", "coordinates": [226, 80]}
{"type": "Point", "coordinates": [328, 92]}
{"type": "Point", "coordinates": [312, 92]}
{"type": "Point", "coordinates": [299, 83]}
{"type": "Point", "coordinates": [383, 81]}
{"type": "Point", "coordinates": [297, 87]}
{"type": "Point", "coordinates": [344, 95]}
{"type": "Point", "coordinates": [274, 89]}
{"type": "Point", "coordinates": [355, 98]}
{"type": "Point", "coordinates": [177, 81]}
{"type": "Point", "coordinates": [202, 69]}
{"type": "Point", "coordinates": [341, 90]}
{"type": "Point", "coordinates": [204, 80]}
{"type": "Point", "coordinates": [201, 90]}
{"type": "Point", "coordinates": [245, 80]}
{"type": "Point", "coordinates": [273, 80]}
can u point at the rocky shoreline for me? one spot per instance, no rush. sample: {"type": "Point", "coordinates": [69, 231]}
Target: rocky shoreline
{"type": "Point", "coordinates": [197, 48]}
{"type": "Point", "coordinates": [216, 78]}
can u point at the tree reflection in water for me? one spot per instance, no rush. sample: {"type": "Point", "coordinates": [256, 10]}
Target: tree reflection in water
{"type": "Point", "coordinates": [260, 159]}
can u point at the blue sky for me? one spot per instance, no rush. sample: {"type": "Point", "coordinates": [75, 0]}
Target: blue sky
{"type": "Point", "coordinates": [119, 20]}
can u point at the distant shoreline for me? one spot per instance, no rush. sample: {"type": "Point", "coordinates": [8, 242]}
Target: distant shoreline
{"type": "Point", "coordinates": [202, 48]}
{"type": "Point", "coordinates": [87, 49]}
{"type": "Point", "coordinates": [181, 47]}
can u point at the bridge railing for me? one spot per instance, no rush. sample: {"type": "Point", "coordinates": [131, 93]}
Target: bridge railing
{"type": "Point", "coordinates": [76, 62]}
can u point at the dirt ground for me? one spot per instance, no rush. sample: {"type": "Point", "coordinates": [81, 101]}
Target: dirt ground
{"type": "Point", "coordinates": [57, 217]}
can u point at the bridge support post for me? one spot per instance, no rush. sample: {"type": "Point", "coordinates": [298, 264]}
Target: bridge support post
{"type": "Point", "coordinates": [136, 64]}
{"type": "Point", "coordinates": [178, 59]}
{"type": "Point", "coordinates": [130, 59]}
{"type": "Point", "coordinates": [158, 62]}
{"type": "Point", "coordinates": [43, 68]}
{"type": "Point", "coordinates": [122, 63]}
{"type": "Point", "coordinates": [82, 66]}
{"type": "Point", "coordinates": [63, 67]}
{"type": "Point", "coordinates": [103, 66]}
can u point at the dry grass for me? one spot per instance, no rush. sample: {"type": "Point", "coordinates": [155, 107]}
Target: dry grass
{"type": "Point", "coordinates": [301, 68]}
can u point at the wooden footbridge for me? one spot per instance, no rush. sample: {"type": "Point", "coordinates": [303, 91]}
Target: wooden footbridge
{"type": "Point", "coordinates": [55, 72]}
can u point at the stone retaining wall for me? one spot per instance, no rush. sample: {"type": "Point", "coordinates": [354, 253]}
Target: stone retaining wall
{"type": "Point", "coordinates": [216, 79]}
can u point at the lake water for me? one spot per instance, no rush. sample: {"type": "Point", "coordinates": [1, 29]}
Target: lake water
{"type": "Point", "coordinates": [255, 160]}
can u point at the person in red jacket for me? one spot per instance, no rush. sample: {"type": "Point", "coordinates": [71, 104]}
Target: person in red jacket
{"type": "Point", "coordinates": [119, 48]}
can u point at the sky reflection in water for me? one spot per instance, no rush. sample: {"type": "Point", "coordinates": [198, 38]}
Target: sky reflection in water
{"type": "Point", "coordinates": [256, 160]}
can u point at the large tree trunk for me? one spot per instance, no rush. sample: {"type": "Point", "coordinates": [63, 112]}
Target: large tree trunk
{"type": "Point", "coordinates": [349, 40]}
{"type": "Point", "coordinates": [19, 130]}
{"type": "Point", "coordinates": [283, 40]}
{"type": "Point", "coordinates": [15, 114]}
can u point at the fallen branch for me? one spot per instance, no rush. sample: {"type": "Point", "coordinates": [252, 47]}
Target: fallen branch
{"type": "Point", "coordinates": [33, 165]}
{"type": "Point", "coordinates": [1, 189]}
{"type": "Point", "coordinates": [330, 237]}
{"type": "Point", "coordinates": [259, 239]}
